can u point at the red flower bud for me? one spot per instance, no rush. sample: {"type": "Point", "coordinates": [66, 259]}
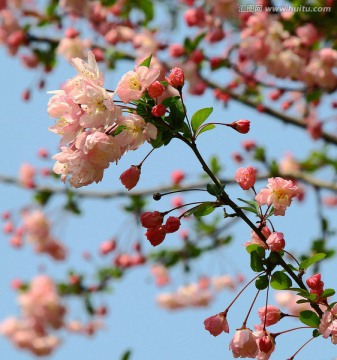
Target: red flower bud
{"type": "Point", "coordinates": [241, 126]}
{"type": "Point", "coordinates": [172, 224]}
{"type": "Point", "coordinates": [156, 89]}
{"type": "Point", "coordinates": [156, 236]}
{"type": "Point", "coordinates": [176, 78]}
{"type": "Point", "coordinates": [151, 219]}
{"type": "Point", "coordinates": [265, 344]}
{"type": "Point", "coordinates": [158, 110]}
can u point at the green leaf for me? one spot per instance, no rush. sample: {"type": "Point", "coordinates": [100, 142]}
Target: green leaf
{"type": "Point", "coordinates": [280, 281]}
{"type": "Point", "coordinates": [200, 210]}
{"type": "Point", "coordinates": [316, 333]}
{"type": "Point", "coordinates": [42, 196]}
{"type": "Point", "coordinates": [256, 262]}
{"type": "Point", "coordinates": [262, 282]}
{"type": "Point", "coordinates": [146, 62]}
{"type": "Point", "coordinates": [308, 262]}
{"type": "Point", "coordinates": [126, 355]}
{"type": "Point", "coordinates": [309, 318]}
{"type": "Point", "coordinates": [246, 208]}
{"type": "Point", "coordinates": [327, 293]}
{"type": "Point", "coordinates": [214, 189]}
{"type": "Point", "coordinates": [199, 117]}
{"type": "Point", "coordinates": [206, 128]}
{"type": "Point", "coordinates": [255, 247]}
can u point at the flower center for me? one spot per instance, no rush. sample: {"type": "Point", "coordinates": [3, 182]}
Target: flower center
{"type": "Point", "coordinates": [134, 83]}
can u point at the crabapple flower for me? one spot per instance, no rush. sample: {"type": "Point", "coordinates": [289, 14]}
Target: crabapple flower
{"type": "Point", "coordinates": [176, 78]}
{"type": "Point", "coordinates": [216, 324]}
{"type": "Point", "coordinates": [276, 241]}
{"type": "Point", "coordinates": [88, 70]}
{"type": "Point", "coordinates": [246, 177]}
{"type": "Point", "coordinates": [315, 284]}
{"type": "Point", "coordinates": [130, 177]}
{"type": "Point", "coordinates": [135, 133]}
{"type": "Point", "coordinates": [279, 193]}
{"type": "Point", "coordinates": [177, 177]}
{"type": "Point", "coordinates": [244, 344]}
{"type": "Point", "coordinates": [158, 110]}
{"type": "Point", "coordinates": [256, 239]}
{"type": "Point", "coordinates": [266, 344]}
{"type": "Point", "coordinates": [134, 83]}
{"type": "Point", "coordinates": [271, 316]}
{"type": "Point", "coordinates": [328, 324]}
{"type": "Point", "coordinates": [160, 274]}
{"type": "Point", "coordinates": [27, 175]}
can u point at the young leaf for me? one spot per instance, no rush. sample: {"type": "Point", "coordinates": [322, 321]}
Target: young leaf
{"type": "Point", "coordinates": [327, 293]}
{"type": "Point", "coordinates": [308, 262]}
{"type": "Point", "coordinates": [280, 281]}
{"type": "Point", "coordinates": [309, 318]}
{"type": "Point", "coordinates": [200, 210]}
{"type": "Point", "coordinates": [146, 62]}
{"type": "Point", "coordinates": [199, 117]}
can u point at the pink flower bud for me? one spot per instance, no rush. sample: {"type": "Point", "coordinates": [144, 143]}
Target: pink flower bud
{"type": "Point", "coordinates": [43, 153]}
{"type": "Point", "coordinates": [245, 177]}
{"type": "Point", "coordinates": [107, 247]}
{"type": "Point", "coordinates": [8, 227]}
{"type": "Point", "coordinates": [177, 177]}
{"type": "Point", "coordinates": [130, 177]}
{"type": "Point", "coordinates": [158, 110]}
{"type": "Point", "coordinates": [241, 126]}
{"type": "Point", "coordinates": [195, 17]}
{"type": "Point", "coordinates": [243, 344]}
{"type": "Point", "coordinates": [314, 282]}
{"type": "Point", "coordinates": [172, 224]}
{"type": "Point", "coordinates": [249, 145]}
{"type": "Point", "coordinates": [71, 33]}
{"type": "Point", "coordinates": [273, 315]}
{"type": "Point", "coordinates": [176, 50]}
{"type": "Point", "coordinates": [197, 56]}
{"type": "Point", "coordinates": [276, 241]}
{"type": "Point", "coordinates": [155, 235]}
{"type": "Point", "coordinates": [216, 324]}
{"type": "Point", "coordinates": [151, 219]}
{"type": "Point", "coordinates": [156, 89]}
{"type": "Point", "coordinates": [99, 54]}
{"type": "Point", "coordinates": [176, 78]}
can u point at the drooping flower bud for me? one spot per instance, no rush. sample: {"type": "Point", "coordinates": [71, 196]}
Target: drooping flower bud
{"type": "Point", "coordinates": [155, 235]}
{"type": "Point", "coordinates": [216, 324]}
{"type": "Point", "coordinates": [172, 224]}
{"type": "Point", "coordinates": [130, 177]}
{"type": "Point", "coordinates": [271, 316]}
{"type": "Point", "coordinates": [151, 219]}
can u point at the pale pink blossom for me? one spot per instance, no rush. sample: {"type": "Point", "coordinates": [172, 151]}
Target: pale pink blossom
{"type": "Point", "coordinates": [279, 194]}
{"type": "Point", "coordinates": [276, 241]}
{"type": "Point", "coordinates": [271, 316]}
{"type": "Point", "coordinates": [216, 324]}
{"type": "Point", "coordinates": [134, 83]}
{"type": "Point", "coordinates": [73, 47]}
{"type": "Point", "coordinates": [223, 282]}
{"type": "Point", "coordinates": [245, 177]}
{"type": "Point", "coordinates": [160, 274]}
{"type": "Point", "coordinates": [255, 239]}
{"type": "Point", "coordinates": [288, 164]}
{"type": "Point", "coordinates": [328, 324]}
{"type": "Point", "coordinates": [89, 70]}
{"type": "Point", "coordinates": [27, 175]}
{"type": "Point", "coordinates": [288, 300]}
{"type": "Point", "coordinates": [135, 133]}
{"type": "Point", "coordinates": [244, 344]}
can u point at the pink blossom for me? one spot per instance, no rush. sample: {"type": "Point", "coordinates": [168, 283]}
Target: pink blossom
{"type": "Point", "coordinates": [135, 133]}
{"type": "Point", "coordinates": [160, 274]}
{"type": "Point", "coordinates": [256, 239]}
{"type": "Point", "coordinates": [308, 34]}
{"type": "Point", "coordinates": [216, 324]}
{"type": "Point", "coordinates": [176, 50]}
{"type": "Point", "coordinates": [70, 47]}
{"type": "Point", "coordinates": [90, 70]}
{"type": "Point", "coordinates": [195, 17]}
{"type": "Point", "coordinates": [279, 194]}
{"type": "Point", "coordinates": [288, 300]}
{"type": "Point", "coordinates": [222, 282]}
{"type": "Point", "coordinates": [107, 247]}
{"type": "Point", "coordinates": [271, 316]}
{"type": "Point", "coordinates": [246, 177]}
{"type": "Point", "coordinates": [266, 344]}
{"type": "Point", "coordinates": [276, 241]}
{"type": "Point", "coordinates": [130, 177]}
{"type": "Point", "coordinates": [134, 83]}
{"type": "Point", "coordinates": [27, 175]}
{"type": "Point", "coordinates": [244, 344]}
{"type": "Point", "coordinates": [328, 324]}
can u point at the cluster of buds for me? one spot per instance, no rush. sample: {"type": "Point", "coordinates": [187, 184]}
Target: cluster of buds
{"type": "Point", "coordinates": [156, 231]}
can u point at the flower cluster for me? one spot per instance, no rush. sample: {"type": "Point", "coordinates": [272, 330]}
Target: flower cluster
{"type": "Point", "coordinates": [89, 121]}
{"type": "Point", "coordinates": [42, 311]}
{"type": "Point", "coordinates": [156, 230]}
